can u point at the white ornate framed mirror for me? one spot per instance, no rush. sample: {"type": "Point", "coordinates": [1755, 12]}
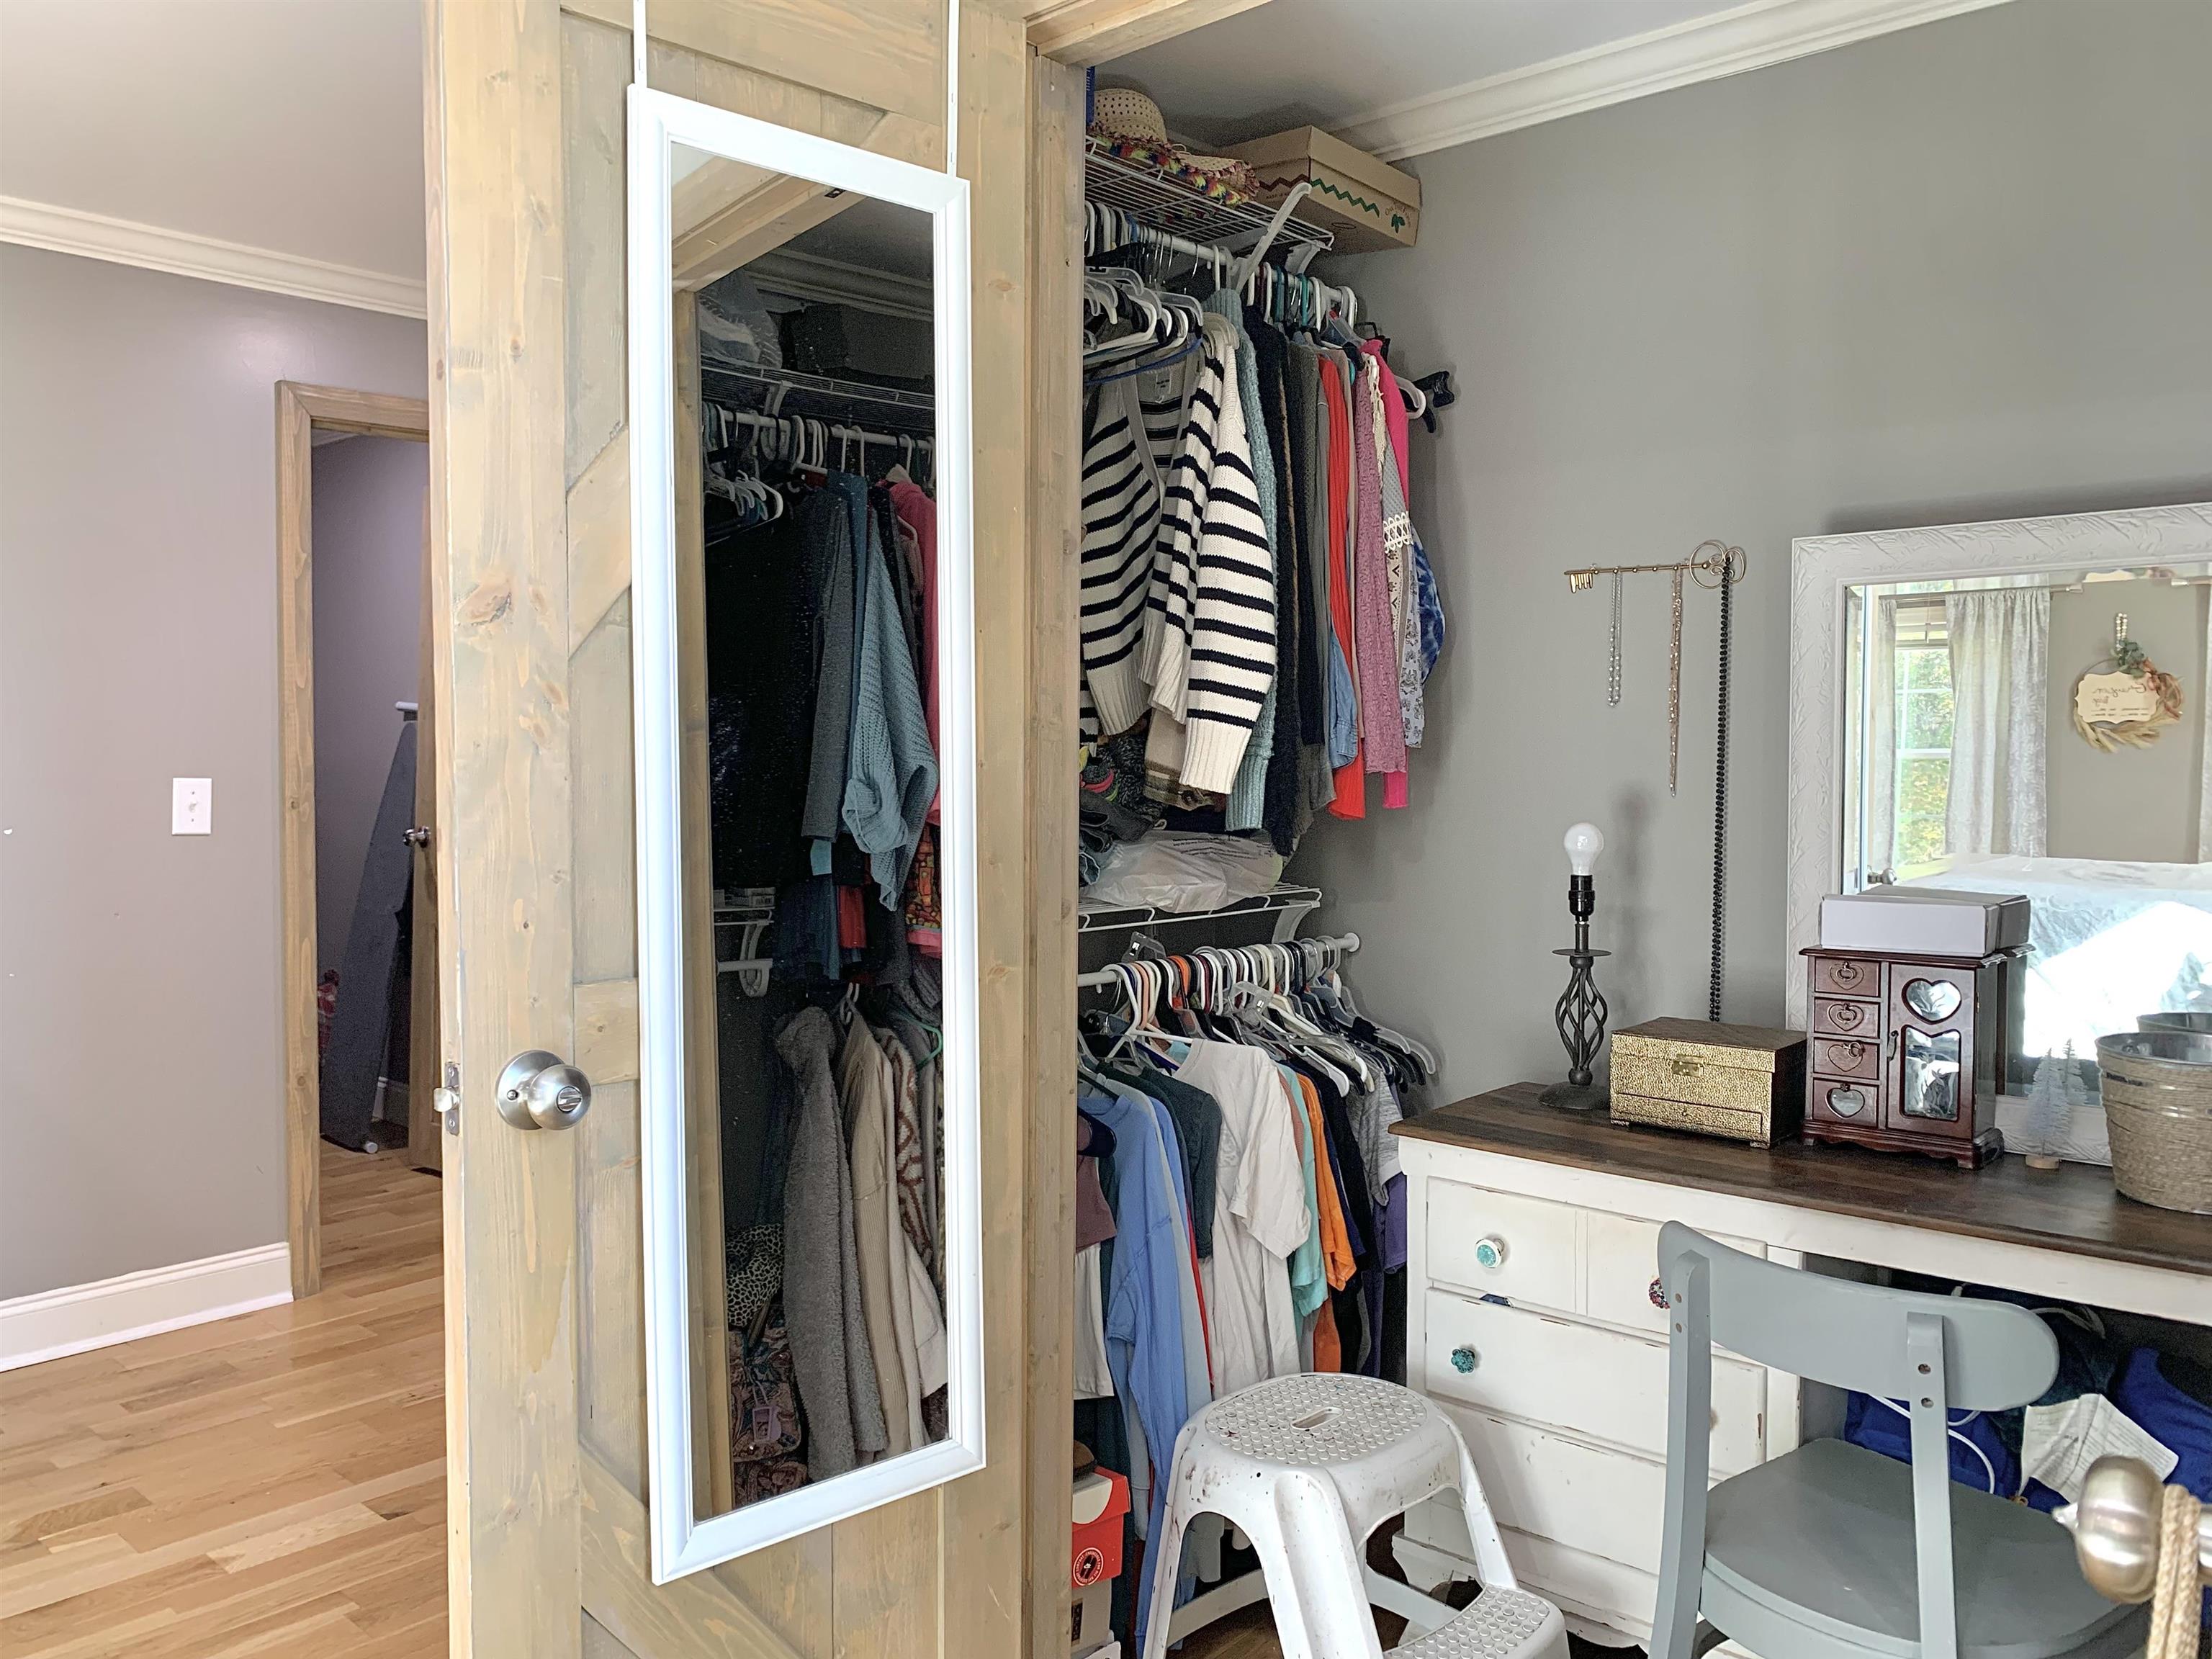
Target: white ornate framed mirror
{"type": "Point", "coordinates": [1933, 741]}
{"type": "Point", "coordinates": [801, 634]}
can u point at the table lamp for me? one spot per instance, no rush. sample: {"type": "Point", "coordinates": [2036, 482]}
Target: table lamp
{"type": "Point", "coordinates": [1580, 1014]}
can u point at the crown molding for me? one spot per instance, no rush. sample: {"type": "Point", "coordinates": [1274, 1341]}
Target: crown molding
{"type": "Point", "coordinates": [1749, 36]}
{"type": "Point", "coordinates": [151, 248]}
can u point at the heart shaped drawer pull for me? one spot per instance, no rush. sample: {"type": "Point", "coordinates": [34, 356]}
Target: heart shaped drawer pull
{"type": "Point", "coordinates": [1845, 1015]}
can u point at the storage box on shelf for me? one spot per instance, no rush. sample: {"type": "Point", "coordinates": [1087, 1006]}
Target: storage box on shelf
{"type": "Point", "coordinates": [1369, 205]}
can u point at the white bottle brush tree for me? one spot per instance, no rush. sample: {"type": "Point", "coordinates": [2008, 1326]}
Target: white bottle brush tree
{"type": "Point", "coordinates": [2052, 1099]}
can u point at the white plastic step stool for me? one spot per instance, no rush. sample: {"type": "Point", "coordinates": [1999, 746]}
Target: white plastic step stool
{"type": "Point", "coordinates": [1307, 1468]}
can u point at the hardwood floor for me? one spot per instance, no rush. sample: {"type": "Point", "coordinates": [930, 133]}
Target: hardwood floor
{"type": "Point", "coordinates": [272, 1485]}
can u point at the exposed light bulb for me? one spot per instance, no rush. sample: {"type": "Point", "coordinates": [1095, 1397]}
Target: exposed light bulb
{"type": "Point", "coordinates": [1584, 843]}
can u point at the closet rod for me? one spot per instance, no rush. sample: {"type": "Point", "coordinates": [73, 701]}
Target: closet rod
{"type": "Point", "coordinates": [774, 423]}
{"type": "Point", "coordinates": [1342, 943]}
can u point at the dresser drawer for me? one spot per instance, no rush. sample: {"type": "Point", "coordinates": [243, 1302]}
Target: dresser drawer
{"type": "Point", "coordinates": [1850, 1019]}
{"type": "Point", "coordinates": [1620, 1269]}
{"type": "Point", "coordinates": [1499, 1244]}
{"type": "Point", "coordinates": [1601, 1384]}
{"type": "Point", "coordinates": [1605, 1503]}
{"type": "Point", "coordinates": [1851, 1057]}
{"type": "Point", "coordinates": [1844, 977]}
{"type": "Point", "coordinates": [1845, 1100]}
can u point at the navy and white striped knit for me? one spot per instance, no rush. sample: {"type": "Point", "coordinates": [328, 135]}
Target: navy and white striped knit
{"type": "Point", "coordinates": [1120, 512]}
{"type": "Point", "coordinates": [1214, 589]}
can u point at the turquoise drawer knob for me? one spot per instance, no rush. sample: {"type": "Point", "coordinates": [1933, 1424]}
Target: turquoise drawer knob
{"type": "Point", "coordinates": [1490, 1252]}
{"type": "Point", "coordinates": [1462, 1359]}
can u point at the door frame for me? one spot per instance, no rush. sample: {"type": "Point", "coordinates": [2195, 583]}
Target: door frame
{"type": "Point", "coordinates": [302, 410]}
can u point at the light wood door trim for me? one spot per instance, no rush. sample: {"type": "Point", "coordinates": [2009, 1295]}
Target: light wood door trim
{"type": "Point", "coordinates": [712, 1480]}
{"type": "Point", "coordinates": [1054, 404]}
{"type": "Point", "coordinates": [497, 326]}
{"type": "Point", "coordinates": [1082, 33]}
{"type": "Point", "coordinates": [301, 409]}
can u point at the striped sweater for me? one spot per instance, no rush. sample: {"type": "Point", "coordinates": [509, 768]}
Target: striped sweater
{"type": "Point", "coordinates": [1120, 512]}
{"type": "Point", "coordinates": [1210, 619]}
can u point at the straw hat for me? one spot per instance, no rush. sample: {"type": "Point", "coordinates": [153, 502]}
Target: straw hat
{"type": "Point", "coordinates": [1125, 112]}
{"type": "Point", "coordinates": [1122, 114]}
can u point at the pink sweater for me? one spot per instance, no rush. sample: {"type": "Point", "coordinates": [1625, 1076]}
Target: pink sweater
{"type": "Point", "coordinates": [1381, 724]}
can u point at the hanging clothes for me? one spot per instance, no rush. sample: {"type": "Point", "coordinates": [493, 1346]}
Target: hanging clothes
{"type": "Point", "coordinates": [1216, 653]}
{"type": "Point", "coordinates": [1262, 1216]}
{"type": "Point", "coordinates": [832, 1354]}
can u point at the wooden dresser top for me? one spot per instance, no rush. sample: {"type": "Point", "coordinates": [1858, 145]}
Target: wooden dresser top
{"type": "Point", "coordinates": [2073, 1208]}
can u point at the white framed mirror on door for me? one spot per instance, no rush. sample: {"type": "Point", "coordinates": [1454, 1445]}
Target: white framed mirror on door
{"type": "Point", "coordinates": [802, 645]}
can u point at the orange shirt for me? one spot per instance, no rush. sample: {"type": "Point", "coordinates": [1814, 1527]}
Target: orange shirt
{"type": "Point", "coordinates": [1328, 1351]}
{"type": "Point", "coordinates": [1335, 1237]}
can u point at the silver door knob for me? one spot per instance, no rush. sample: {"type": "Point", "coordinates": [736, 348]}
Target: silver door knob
{"type": "Point", "coordinates": [417, 836]}
{"type": "Point", "coordinates": [540, 1091]}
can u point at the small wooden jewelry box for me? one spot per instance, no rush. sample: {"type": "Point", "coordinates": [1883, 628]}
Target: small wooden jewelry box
{"type": "Point", "coordinates": [1739, 1082]}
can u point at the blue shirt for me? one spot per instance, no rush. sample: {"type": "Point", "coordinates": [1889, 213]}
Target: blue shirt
{"type": "Point", "coordinates": [1144, 1301]}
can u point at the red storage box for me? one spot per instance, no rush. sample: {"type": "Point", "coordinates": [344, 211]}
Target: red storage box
{"type": "Point", "coordinates": [1102, 1499]}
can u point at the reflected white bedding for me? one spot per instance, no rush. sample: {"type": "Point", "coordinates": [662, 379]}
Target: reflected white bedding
{"type": "Point", "coordinates": [2112, 941]}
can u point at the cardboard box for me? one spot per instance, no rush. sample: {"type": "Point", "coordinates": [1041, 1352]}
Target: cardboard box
{"type": "Point", "coordinates": [1930, 921]}
{"type": "Point", "coordinates": [1369, 204]}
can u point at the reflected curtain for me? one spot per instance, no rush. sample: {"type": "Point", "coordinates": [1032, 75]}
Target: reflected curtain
{"type": "Point", "coordinates": [1881, 781]}
{"type": "Point", "coordinates": [2204, 763]}
{"type": "Point", "coordinates": [2000, 695]}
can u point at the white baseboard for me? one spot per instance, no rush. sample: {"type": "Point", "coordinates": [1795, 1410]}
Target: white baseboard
{"type": "Point", "coordinates": [49, 1324]}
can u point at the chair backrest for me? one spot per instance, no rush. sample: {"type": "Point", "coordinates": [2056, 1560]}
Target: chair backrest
{"type": "Point", "coordinates": [1996, 1356]}
{"type": "Point", "coordinates": [1932, 1352]}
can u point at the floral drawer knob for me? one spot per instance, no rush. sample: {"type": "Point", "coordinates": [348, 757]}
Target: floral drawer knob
{"type": "Point", "coordinates": [1462, 1359]}
{"type": "Point", "coordinates": [1655, 1294]}
{"type": "Point", "coordinates": [1490, 1253]}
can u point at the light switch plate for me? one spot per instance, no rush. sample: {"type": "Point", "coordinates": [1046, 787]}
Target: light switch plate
{"type": "Point", "coordinates": [192, 806]}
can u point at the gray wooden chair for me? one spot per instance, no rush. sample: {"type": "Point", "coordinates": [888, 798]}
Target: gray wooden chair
{"type": "Point", "coordinates": [1833, 1551]}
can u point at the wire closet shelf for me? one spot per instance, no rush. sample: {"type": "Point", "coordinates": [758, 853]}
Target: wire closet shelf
{"type": "Point", "coordinates": [774, 391]}
{"type": "Point", "coordinates": [1153, 194]}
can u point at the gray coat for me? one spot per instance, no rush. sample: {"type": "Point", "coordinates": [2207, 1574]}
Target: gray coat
{"type": "Point", "coordinates": [829, 1352]}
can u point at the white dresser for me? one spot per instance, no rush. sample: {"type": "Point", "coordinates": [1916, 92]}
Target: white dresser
{"type": "Point", "coordinates": [1533, 1240]}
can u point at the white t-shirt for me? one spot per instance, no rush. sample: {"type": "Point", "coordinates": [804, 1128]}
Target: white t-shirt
{"type": "Point", "coordinates": [1094, 1379]}
{"type": "Point", "coordinates": [1260, 1215]}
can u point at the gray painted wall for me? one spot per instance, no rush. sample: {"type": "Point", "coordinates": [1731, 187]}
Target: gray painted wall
{"type": "Point", "coordinates": [141, 1098]}
{"type": "Point", "coordinates": [368, 504]}
{"type": "Point", "coordinates": [2136, 803]}
{"type": "Point", "coordinates": [1958, 272]}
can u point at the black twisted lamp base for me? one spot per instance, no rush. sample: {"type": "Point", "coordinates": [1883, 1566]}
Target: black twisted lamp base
{"type": "Point", "coordinates": [1580, 1014]}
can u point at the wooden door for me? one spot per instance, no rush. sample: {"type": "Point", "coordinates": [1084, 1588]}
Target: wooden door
{"type": "Point", "coordinates": [531, 740]}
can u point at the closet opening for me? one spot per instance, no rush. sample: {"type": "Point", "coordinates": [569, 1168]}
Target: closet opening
{"type": "Point", "coordinates": [1256, 621]}
{"type": "Point", "coordinates": [359, 974]}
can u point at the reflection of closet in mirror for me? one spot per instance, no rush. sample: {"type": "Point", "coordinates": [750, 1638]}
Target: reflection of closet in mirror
{"type": "Point", "coordinates": [1965, 767]}
{"type": "Point", "coordinates": [818, 1231]}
